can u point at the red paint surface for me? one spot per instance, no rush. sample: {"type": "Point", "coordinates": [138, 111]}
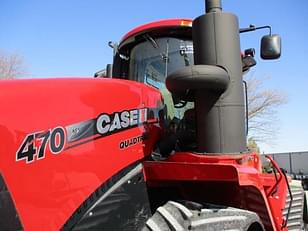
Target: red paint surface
{"type": "Point", "coordinates": [47, 191]}
{"type": "Point", "coordinates": [158, 24]}
{"type": "Point", "coordinates": [242, 170]}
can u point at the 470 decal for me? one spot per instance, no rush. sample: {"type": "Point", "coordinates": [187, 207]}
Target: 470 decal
{"type": "Point", "coordinates": [35, 144]}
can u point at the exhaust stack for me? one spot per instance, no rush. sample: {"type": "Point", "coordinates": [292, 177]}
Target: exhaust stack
{"type": "Point", "coordinates": [216, 81]}
{"type": "Point", "coordinates": [220, 117]}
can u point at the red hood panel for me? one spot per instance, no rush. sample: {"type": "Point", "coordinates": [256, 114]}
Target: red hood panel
{"type": "Point", "coordinates": [52, 154]}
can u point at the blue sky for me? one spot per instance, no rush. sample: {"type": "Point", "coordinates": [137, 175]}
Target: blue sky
{"type": "Point", "coordinates": [69, 38]}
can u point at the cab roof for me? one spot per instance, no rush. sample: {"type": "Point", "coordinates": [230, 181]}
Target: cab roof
{"type": "Point", "coordinates": [157, 25]}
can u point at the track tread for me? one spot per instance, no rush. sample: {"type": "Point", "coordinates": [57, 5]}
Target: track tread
{"type": "Point", "coordinates": [174, 216]}
{"type": "Point", "coordinates": [295, 220]}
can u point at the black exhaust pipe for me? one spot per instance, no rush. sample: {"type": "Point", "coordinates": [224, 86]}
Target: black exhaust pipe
{"type": "Point", "coordinates": [217, 82]}
{"type": "Point", "coordinates": [221, 124]}
{"type": "Point", "coordinates": [213, 6]}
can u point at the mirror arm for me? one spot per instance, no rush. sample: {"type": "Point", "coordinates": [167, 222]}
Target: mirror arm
{"type": "Point", "coordinates": [253, 28]}
{"type": "Point", "coordinates": [114, 46]}
{"type": "Point", "coordinates": [265, 27]}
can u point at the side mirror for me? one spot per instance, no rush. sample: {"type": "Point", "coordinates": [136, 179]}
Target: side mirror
{"type": "Point", "coordinates": [270, 47]}
{"type": "Point", "coordinates": [105, 73]}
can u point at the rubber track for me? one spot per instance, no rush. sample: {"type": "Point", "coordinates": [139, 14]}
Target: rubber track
{"type": "Point", "coordinates": [174, 216]}
{"type": "Point", "coordinates": [295, 221]}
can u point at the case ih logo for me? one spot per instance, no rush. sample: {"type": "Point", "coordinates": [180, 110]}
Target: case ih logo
{"type": "Point", "coordinates": [120, 120]}
{"type": "Point", "coordinates": [35, 145]}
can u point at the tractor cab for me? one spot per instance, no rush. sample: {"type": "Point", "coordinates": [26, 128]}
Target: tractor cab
{"type": "Point", "coordinates": [151, 52]}
{"type": "Point", "coordinates": [148, 55]}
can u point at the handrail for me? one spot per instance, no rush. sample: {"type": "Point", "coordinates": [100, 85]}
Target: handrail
{"type": "Point", "coordinates": [275, 187]}
{"type": "Point", "coordinates": [291, 200]}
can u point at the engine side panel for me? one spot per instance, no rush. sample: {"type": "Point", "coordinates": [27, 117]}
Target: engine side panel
{"type": "Point", "coordinates": [61, 139]}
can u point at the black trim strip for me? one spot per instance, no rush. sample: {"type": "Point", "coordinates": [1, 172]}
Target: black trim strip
{"type": "Point", "coordinates": [78, 132]}
{"type": "Point", "coordinates": [99, 136]}
{"type": "Point", "coordinates": [94, 197]}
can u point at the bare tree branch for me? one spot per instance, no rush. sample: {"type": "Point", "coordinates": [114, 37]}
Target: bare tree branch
{"type": "Point", "coordinates": [11, 66]}
{"type": "Point", "coordinates": [262, 110]}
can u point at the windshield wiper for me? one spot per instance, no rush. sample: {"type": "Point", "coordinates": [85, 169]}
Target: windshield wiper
{"type": "Point", "coordinates": [151, 40]}
{"type": "Point", "coordinates": [166, 58]}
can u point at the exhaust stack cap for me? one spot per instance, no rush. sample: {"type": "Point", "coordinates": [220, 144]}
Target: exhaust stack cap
{"type": "Point", "coordinates": [213, 6]}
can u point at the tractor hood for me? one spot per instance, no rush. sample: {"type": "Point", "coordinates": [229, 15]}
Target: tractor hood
{"type": "Point", "coordinates": [51, 131]}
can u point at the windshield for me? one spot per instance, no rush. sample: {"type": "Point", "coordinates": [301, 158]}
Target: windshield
{"type": "Point", "coordinates": [153, 60]}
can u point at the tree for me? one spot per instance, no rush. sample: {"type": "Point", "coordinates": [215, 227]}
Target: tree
{"type": "Point", "coordinates": [11, 66]}
{"type": "Point", "coordinates": [253, 146]}
{"type": "Point", "coordinates": [263, 107]}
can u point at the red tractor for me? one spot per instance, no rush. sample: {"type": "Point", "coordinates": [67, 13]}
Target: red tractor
{"type": "Point", "coordinates": [159, 146]}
